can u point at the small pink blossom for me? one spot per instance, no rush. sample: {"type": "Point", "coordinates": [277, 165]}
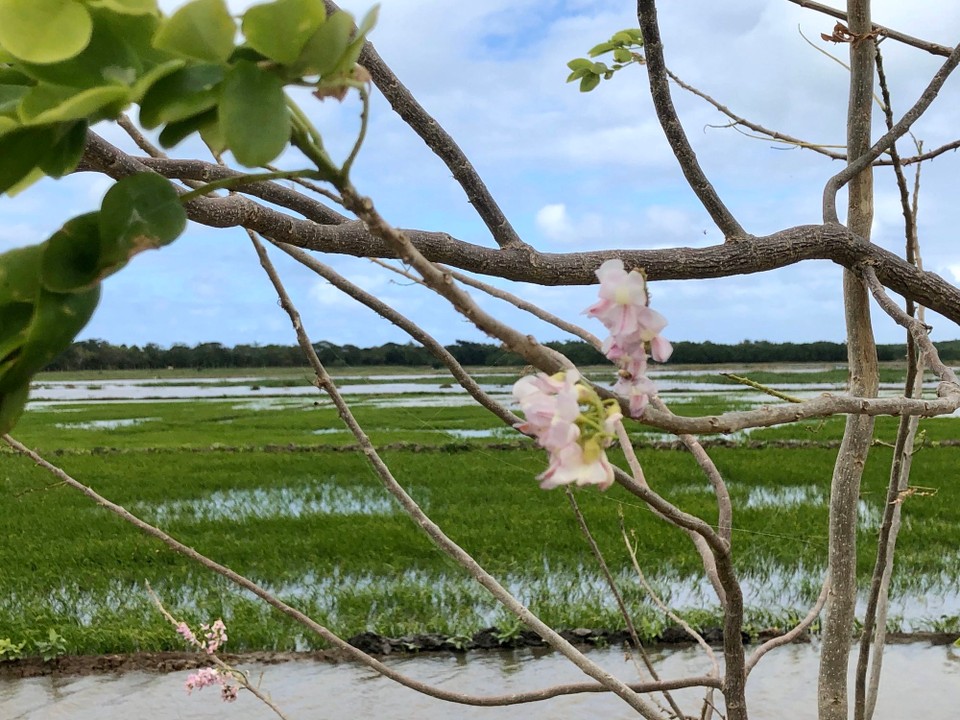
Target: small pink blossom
{"type": "Point", "coordinates": [204, 677]}
{"type": "Point", "coordinates": [633, 326]}
{"type": "Point", "coordinates": [550, 407]}
{"type": "Point", "coordinates": [187, 634]}
{"type": "Point", "coordinates": [215, 635]}
{"type": "Point", "coordinates": [580, 465]}
{"type": "Point", "coordinates": [574, 437]}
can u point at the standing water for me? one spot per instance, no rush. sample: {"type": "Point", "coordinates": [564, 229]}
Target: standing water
{"type": "Point", "coordinates": [919, 680]}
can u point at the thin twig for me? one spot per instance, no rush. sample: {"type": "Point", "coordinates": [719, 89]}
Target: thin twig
{"type": "Point", "coordinates": [738, 120]}
{"type": "Point", "coordinates": [883, 144]}
{"type": "Point", "coordinates": [694, 635]}
{"type": "Point", "coordinates": [408, 326]}
{"type": "Point", "coordinates": [432, 530]}
{"type": "Point", "coordinates": [930, 47]}
{"type": "Point", "coordinates": [795, 632]}
{"type": "Point", "coordinates": [618, 597]}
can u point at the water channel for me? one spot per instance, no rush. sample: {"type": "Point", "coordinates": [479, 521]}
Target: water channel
{"type": "Point", "coordinates": [919, 680]}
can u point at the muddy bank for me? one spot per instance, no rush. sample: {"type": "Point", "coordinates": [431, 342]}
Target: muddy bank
{"type": "Point", "coordinates": [490, 639]}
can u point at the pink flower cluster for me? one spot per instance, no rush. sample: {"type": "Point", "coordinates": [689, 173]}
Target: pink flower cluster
{"type": "Point", "coordinates": [634, 326]}
{"type": "Point", "coordinates": [574, 436]}
{"type": "Point", "coordinates": [214, 636]}
{"type": "Point", "coordinates": [204, 677]}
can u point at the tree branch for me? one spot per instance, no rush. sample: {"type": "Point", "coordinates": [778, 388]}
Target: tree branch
{"type": "Point", "coordinates": [440, 142]}
{"type": "Point", "coordinates": [750, 255]}
{"type": "Point", "coordinates": [670, 122]}
{"type": "Point", "coordinates": [866, 159]}
{"type": "Point", "coordinates": [930, 47]}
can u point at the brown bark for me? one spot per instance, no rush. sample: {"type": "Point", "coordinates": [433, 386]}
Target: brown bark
{"type": "Point", "coordinates": [862, 360]}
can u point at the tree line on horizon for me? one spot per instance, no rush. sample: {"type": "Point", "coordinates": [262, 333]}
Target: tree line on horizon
{"type": "Point", "coordinates": [98, 354]}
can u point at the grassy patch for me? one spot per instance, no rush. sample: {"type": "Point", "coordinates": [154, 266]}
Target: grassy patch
{"type": "Point", "coordinates": [274, 494]}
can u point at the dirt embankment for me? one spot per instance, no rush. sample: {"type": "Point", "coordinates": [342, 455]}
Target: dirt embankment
{"type": "Point", "coordinates": [373, 644]}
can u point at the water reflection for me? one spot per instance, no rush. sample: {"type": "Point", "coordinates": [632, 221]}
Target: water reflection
{"type": "Point", "coordinates": [919, 680]}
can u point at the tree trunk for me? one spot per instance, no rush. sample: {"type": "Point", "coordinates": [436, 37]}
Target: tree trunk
{"type": "Point", "coordinates": [862, 358]}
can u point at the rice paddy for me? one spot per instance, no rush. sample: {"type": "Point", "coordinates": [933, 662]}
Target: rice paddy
{"type": "Point", "coordinates": [268, 483]}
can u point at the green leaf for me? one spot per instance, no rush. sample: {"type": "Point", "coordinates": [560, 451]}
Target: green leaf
{"type": "Point", "coordinates": [32, 177]}
{"type": "Point", "coordinates": [66, 152]}
{"type": "Point", "coordinates": [589, 82]}
{"type": "Point", "coordinates": [622, 55]}
{"type": "Point", "coordinates": [152, 76]}
{"type": "Point", "coordinates": [71, 257]}
{"type": "Point", "coordinates": [22, 149]}
{"type": "Point", "coordinates": [138, 213]}
{"type": "Point", "coordinates": [280, 29]}
{"type": "Point", "coordinates": [580, 64]}
{"type": "Point", "coordinates": [10, 96]}
{"type": "Point", "coordinates": [127, 7]}
{"type": "Point", "coordinates": [12, 403]}
{"type": "Point", "coordinates": [253, 114]}
{"type": "Point", "coordinates": [212, 135]}
{"type": "Point", "coordinates": [182, 94]}
{"type": "Point", "coordinates": [12, 76]}
{"type": "Point", "coordinates": [176, 132]}
{"type": "Point", "coordinates": [107, 58]}
{"type": "Point", "coordinates": [202, 30]}
{"type": "Point", "coordinates": [600, 68]}
{"type": "Point", "coordinates": [600, 49]}
{"type": "Point", "coordinates": [20, 275]}
{"type": "Point", "coordinates": [326, 46]}
{"type": "Point", "coordinates": [55, 103]}
{"type": "Point", "coordinates": [44, 31]}
{"type": "Point", "coordinates": [14, 323]}
{"type": "Point", "coordinates": [7, 124]}
{"type": "Point", "coordinates": [56, 321]}
{"type": "Point", "coordinates": [369, 21]}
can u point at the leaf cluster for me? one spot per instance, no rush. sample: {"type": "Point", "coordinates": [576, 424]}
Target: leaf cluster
{"type": "Point", "coordinates": [49, 291]}
{"type": "Point", "coordinates": [625, 46]}
{"type": "Point", "coordinates": [68, 64]}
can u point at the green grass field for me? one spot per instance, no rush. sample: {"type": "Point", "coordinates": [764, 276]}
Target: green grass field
{"type": "Point", "coordinates": [277, 493]}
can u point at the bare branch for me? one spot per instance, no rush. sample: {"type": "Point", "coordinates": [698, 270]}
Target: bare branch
{"type": "Point", "coordinates": [440, 142]}
{"type": "Point", "coordinates": [930, 47]}
{"type": "Point", "coordinates": [917, 329]}
{"type": "Point", "coordinates": [405, 324]}
{"type": "Point", "coordinates": [618, 597]}
{"type": "Point", "coordinates": [749, 255]}
{"type": "Point", "coordinates": [795, 632]}
{"type": "Point", "coordinates": [410, 506]}
{"type": "Point", "coordinates": [883, 144]}
{"type": "Point", "coordinates": [670, 122]}
{"type": "Point", "coordinates": [772, 134]}
{"type": "Point", "coordinates": [694, 635]}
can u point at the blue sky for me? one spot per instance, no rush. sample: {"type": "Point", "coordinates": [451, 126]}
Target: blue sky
{"type": "Point", "coordinates": [571, 171]}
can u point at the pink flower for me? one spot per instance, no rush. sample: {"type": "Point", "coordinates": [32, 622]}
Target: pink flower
{"type": "Point", "coordinates": [660, 349]}
{"type": "Point", "coordinates": [204, 677]}
{"type": "Point", "coordinates": [215, 635]}
{"type": "Point", "coordinates": [228, 693]}
{"type": "Point", "coordinates": [633, 326]}
{"type": "Point", "coordinates": [184, 631]}
{"type": "Point", "coordinates": [574, 437]}
{"type": "Point", "coordinates": [581, 465]}
{"type": "Point", "coordinates": [550, 406]}
{"type": "Point", "coordinates": [622, 307]}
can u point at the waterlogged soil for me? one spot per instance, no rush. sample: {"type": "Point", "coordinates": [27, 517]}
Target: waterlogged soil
{"type": "Point", "coordinates": [919, 680]}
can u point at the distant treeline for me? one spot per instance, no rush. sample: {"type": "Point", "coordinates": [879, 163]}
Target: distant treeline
{"type": "Point", "coordinates": [101, 355]}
